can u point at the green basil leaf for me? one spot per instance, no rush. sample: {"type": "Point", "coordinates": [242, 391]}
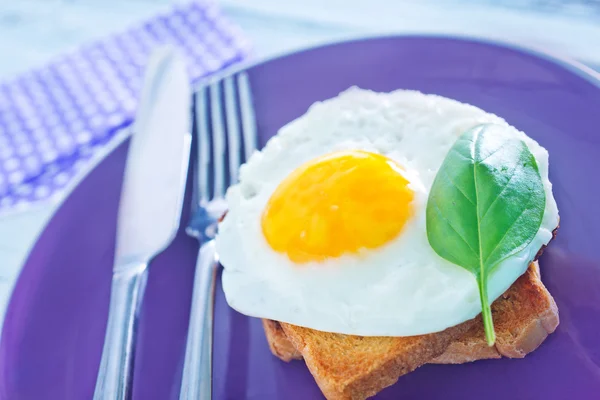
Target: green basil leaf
{"type": "Point", "coordinates": [486, 204]}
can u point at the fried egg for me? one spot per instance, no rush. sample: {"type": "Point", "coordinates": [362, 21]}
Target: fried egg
{"type": "Point", "coordinates": [326, 227]}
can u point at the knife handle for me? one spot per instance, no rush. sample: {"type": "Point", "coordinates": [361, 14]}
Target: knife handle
{"type": "Point", "coordinates": [116, 367]}
{"type": "Point", "coordinates": [196, 381]}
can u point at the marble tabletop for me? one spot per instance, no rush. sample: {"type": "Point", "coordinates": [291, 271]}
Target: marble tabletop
{"type": "Point", "coordinates": [33, 31]}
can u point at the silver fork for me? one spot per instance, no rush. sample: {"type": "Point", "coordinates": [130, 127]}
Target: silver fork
{"type": "Point", "coordinates": [226, 133]}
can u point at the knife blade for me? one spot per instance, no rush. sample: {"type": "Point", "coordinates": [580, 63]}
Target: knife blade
{"type": "Point", "coordinates": [149, 209]}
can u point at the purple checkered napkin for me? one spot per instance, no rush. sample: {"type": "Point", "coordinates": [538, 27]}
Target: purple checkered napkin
{"type": "Point", "coordinates": [54, 119]}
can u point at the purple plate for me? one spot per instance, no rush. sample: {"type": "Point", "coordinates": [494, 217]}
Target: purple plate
{"type": "Point", "coordinates": [55, 322]}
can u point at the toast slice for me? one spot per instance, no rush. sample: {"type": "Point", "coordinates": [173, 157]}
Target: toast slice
{"type": "Point", "coordinates": [355, 367]}
{"type": "Point", "coordinates": [524, 316]}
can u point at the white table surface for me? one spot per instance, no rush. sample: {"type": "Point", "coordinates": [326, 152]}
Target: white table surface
{"type": "Point", "coordinates": [33, 31]}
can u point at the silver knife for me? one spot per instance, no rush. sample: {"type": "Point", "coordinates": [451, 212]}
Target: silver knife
{"type": "Point", "coordinates": [149, 211]}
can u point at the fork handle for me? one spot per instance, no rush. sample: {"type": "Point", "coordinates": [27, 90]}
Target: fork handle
{"type": "Point", "coordinates": [116, 366]}
{"type": "Point", "coordinates": [196, 381]}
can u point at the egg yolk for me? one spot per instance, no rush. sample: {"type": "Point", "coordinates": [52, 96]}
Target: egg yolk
{"type": "Point", "coordinates": [337, 204]}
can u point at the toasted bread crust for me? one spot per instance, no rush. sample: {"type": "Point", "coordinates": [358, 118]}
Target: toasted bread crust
{"type": "Point", "coordinates": [354, 367]}
{"type": "Point", "coordinates": [357, 367]}
{"type": "Point", "coordinates": [279, 344]}
{"type": "Point", "coordinates": [523, 317]}
{"type": "Point", "coordinates": [519, 333]}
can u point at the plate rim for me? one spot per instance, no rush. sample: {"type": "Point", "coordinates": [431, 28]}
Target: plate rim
{"type": "Point", "coordinates": [566, 62]}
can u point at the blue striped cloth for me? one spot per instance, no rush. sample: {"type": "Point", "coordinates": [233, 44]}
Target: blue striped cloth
{"type": "Point", "coordinates": [55, 118]}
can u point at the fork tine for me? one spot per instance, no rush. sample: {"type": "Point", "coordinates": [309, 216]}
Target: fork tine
{"type": "Point", "coordinates": [218, 136]}
{"type": "Point", "coordinates": [197, 370]}
{"type": "Point", "coordinates": [203, 161]}
{"type": "Point", "coordinates": [248, 118]}
{"type": "Point", "coordinates": [233, 130]}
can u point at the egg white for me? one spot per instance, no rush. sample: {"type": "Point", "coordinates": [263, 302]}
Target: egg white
{"type": "Point", "coordinates": [401, 289]}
